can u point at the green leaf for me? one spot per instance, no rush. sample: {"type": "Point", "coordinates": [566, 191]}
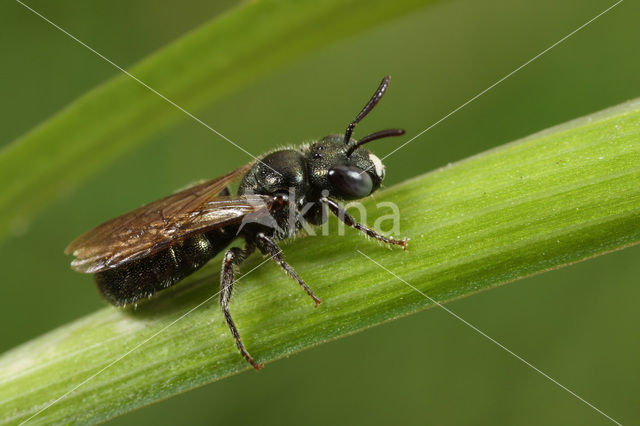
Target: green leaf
{"type": "Point", "coordinates": [214, 60]}
{"type": "Point", "coordinates": [558, 197]}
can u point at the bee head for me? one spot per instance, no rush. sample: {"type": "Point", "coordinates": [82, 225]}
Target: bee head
{"type": "Point", "coordinates": [341, 165]}
{"type": "Point", "coordinates": [346, 176]}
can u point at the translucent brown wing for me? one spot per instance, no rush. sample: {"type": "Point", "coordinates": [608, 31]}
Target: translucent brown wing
{"type": "Point", "coordinates": [159, 224]}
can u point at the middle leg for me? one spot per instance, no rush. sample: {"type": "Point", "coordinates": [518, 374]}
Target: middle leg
{"type": "Point", "coordinates": [268, 247]}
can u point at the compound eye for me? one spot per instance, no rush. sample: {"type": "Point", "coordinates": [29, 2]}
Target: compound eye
{"type": "Point", "coordinates": [350, 182]}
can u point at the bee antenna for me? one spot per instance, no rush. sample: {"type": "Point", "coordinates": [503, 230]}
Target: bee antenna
{"type": "Point", "coordinates": [374, 136]}
{"type": "Point", "coordinates": [367, 108]}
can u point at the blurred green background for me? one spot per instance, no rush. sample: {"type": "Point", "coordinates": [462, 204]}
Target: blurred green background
{"type": "Point", "coordinates": [578, 324]}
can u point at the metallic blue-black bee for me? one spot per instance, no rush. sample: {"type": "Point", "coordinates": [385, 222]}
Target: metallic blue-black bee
{"type": "Point", "coordinates": [151, 248]}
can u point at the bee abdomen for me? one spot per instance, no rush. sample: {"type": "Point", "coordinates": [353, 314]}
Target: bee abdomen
{"type": "Point", "coordinates": [142, 278]}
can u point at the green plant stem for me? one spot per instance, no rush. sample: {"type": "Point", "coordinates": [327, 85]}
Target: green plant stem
{"type": "Point", "coordinates": [558, 197]}
{"type": "Point", "coordinates": [214, 60]}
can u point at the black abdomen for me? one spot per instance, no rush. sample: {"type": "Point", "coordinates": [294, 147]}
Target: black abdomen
{"type": "Point", "coordinates": [144, 277]}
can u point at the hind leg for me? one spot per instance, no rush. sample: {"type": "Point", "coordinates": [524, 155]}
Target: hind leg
{"type": "Point", "coordinates": [233, 256]}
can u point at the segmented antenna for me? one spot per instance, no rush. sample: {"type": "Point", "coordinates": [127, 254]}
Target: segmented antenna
{"type": "Point", "coordinates": [367, 108]}
{"type": "Point", "coordinates": [374, 136]}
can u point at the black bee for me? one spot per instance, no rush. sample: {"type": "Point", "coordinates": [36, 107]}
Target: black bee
{"type": "Point", "coordinates": [151, 248]}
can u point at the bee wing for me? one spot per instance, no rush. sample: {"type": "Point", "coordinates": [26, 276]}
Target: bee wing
{"type": "Point", "coordinates": [157, 225]}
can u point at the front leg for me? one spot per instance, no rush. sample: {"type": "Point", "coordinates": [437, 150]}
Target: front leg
{"type": "Point", "coordinates": [234, 256]}
{"type": "Point", "coordinates": [347, 219]}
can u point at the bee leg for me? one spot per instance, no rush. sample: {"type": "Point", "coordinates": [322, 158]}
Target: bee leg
{"type": "Point", "coordinates": [345, 217]}
{"type": "Point", "coordinates": [268, 247]}
{"type": "Point", "coordinates": [233, 256]}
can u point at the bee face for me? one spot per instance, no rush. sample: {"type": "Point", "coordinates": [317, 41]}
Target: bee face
{"type": "Point", "coordinates": [345, 176]}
